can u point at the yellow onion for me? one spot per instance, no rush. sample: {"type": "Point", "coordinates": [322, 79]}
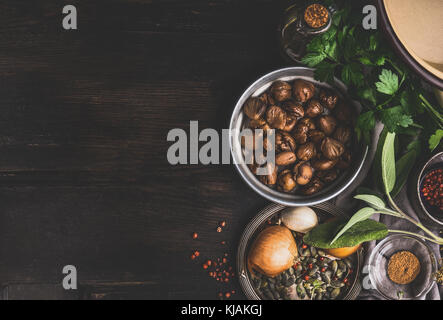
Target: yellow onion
{"type": "Point", "coordinates": [273, 251]}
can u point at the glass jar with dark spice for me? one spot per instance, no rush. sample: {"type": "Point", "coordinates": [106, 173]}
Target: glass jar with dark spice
{"type": "Point", "coordinates": [300, 22]}
{"type": "Point", "coordinates": [431, 191]}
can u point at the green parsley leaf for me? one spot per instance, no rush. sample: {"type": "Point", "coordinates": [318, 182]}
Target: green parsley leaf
{"type": "Point", "coordinates": [394, 117]}
{"type": "Point", "coordinates": [373, 42]}
{"type": "Point", "coordinates": [368, 94]}
{"type": "Point", "coordinates": [352, 74]}
{"type": "Point", "coordinates": [315, 45]}
{"type": "Point", "coordinates": [331, 50]}
{"type": "Point", "coordinates": [325, 72]}
{"type": "Point", "coordinates": [365, 124]}
{"type": "Point", "coordinates": [435, 139]}
{"type": "Point", "coordinates": [388, 82]}
{"type": "Point", "coordinates": [313, 59]}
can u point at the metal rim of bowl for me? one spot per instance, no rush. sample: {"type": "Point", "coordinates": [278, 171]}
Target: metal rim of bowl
{"type": "Point", "coordinates": [330, 191]}
{"type": "Point", "coordinates": [262, 216]}
{"type": "Point", "coordinates": [417, 188]}
{"type": "Point", "coordinates": [383, 242]}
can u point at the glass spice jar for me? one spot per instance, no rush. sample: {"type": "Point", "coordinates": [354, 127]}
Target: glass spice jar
{"type": "Point", "coordinates": [301, 21]}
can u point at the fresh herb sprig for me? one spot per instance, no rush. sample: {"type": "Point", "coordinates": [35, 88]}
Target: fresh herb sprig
{"type": "Point", "coordinates": [360, 228]}
{"type": "Point", "coordinates": [377, 205]}
{"type": "Point", "coordinates": [388, 91]}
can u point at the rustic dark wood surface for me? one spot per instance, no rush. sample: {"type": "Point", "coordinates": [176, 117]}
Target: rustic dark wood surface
{"type": "Point", "coordinates": [84, 178]}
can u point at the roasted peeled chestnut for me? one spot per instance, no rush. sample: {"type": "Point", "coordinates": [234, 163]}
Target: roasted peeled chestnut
{"type": "Point", "coordinates": [307, 122]}
{"type": "Point", "coordinates": [313, 187]}
{"type": "Point", "coordinates": [281, 91]}
{"type": "Point", "coordinates": [267, 99]}
{"type": "Point", "coordinates": [285, 181]}
{"type": "Point", "coordinates": [306, 151]}
{"type": "Point", "coordinates": [268, 145]}
{"type": "Point", "coordinates": [269, 179]}
{"type": "Point", "coordinates": [254, 108]}
{"type": "Point", "coordinates": [303, 173]}
{"type": "Point", "coordinates": [323, 164]}
{"type": "Point", "coordinates": [332, 149]}
{"type": "Point", "coordinates": [327, 176]}
{"type": "Point", "coordinates": [316, 136]}
{"type": "Point", "coordinates": [256, 123]}
{"type": "Point", "coordinates": [327, 124]}
{"type": "Point", "coordinates": [285, 142]}
{"type": "Point", "coordinates": [251, 140]}
{"type": "Point", "coordinates": [328, 99]}
{"type": "Point", "coordinates": [302, 90]}
{"type": "Point", "coordinates": [253, 167]}
{"type": "Point", "coordinates": [294, 109]}
{"type": "Point", "coordinates": [276, 117]}
{"type": "Point", "coordinates": [300, 133]}
{"type": "Point", "coordinates": [345, 161]}
{"type": "Point", "coordinates": [314, 109]}
{"type": "Point", "coordinates": [342, 134]}
{"type": "Point", "coordinates": [343, 112]}
{"type": "Point", "coordinates": [285, 158]}
{"type": "Point", "coordinates": [290, 124]}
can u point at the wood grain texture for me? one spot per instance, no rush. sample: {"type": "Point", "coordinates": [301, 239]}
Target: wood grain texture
{"type": "Point", "coordinates": [84, 116]}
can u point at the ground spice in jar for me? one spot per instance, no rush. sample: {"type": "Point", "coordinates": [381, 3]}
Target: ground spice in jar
{"type": "Point", "coordinates": [403, 267]}
{"type": "Point", "coordinates": [316, 16]}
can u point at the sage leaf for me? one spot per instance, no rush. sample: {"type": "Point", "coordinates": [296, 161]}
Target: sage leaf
{"type": "Point", "coordinates": [403, 167]}
{"type": "Point", "coordinates": [376, 167]}
{"type": "Point", "coordinates": [361, 215]}
{"type": "Point", "coordinates": [360, 232]}
{"type": "Point", "coordinates": [374, 201]}
{"type": "Point", "coordinates": [388, 162]}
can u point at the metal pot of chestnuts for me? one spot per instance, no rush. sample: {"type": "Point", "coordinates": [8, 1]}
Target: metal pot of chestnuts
{"type": "Point", "coordinates": [317, 153]}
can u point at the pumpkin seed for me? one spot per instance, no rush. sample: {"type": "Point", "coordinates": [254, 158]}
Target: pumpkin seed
{"type": "Point", "coordinates": [342, 265]}
{"type": "Point", "coordinates": [337, 284]}
{"type": "Point", "coordinates": [313, 251]}
{"type": "Point", "coordinates": [334, 266]}
{"type": "Point", "coordinates": [335, 293]}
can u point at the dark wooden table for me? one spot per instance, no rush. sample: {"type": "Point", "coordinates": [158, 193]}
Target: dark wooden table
{"type": "Point", "coordinates": [84, 178]}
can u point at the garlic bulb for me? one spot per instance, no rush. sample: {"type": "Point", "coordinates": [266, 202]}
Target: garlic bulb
{"type": "Point", "coordinates": [301, 219]}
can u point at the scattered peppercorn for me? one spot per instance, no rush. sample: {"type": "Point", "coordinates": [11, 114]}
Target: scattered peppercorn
{"type": "Point", "coordinates": [227, 295]}
{"type": "Point", "coordinates": [219, 229]}
{"type": "Point", "coordinates": [194, 235]}
{"type": "Point", "coordinates": [205, 266]}
{"type": "Point", "coordinates": [196, 253]}
{"type": "Point", "coordinates": [223, 224]}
